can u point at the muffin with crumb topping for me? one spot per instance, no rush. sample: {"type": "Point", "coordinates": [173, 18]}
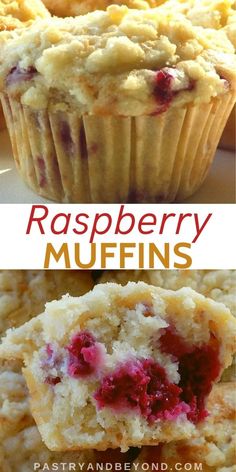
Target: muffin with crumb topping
{"type": "Point", "coordinates": [18, 13]}
{"type": "Point", "coordinates": [215, 14]}
{"type": "Point", "coordinates": [117, 105]}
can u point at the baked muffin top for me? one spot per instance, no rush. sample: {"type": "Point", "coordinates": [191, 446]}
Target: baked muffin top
{"type": "Point", "coordinates": [135, 62]}
{"type": "Point", "coordinates": [210, 13]}
{"type": "Point", "coordinates": [14, 13]}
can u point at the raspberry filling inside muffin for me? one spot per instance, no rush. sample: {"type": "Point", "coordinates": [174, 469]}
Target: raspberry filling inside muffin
{"type": "Point", "coordinates": [17, 75]}
{"type": "Point", "coordinates": [81, 358]}
{"type": "Point", "coordinates": [142, 385]}
{"type": "Point", "coordinates": [51, 364]}
{"type": "Point", "coordinates": [198, 368]}
{"type": "Point", "coordinates": [85, 355]}
{"type": "Point", "coordinates": [164, 88]}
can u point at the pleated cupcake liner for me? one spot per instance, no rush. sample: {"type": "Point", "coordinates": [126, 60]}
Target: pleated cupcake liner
{"type": "Point", "coordinates": [228, 138]}
{"type": "Point", "coordinates": [2, 119]}
{"type": "Point", "coordinates": [107, 159]}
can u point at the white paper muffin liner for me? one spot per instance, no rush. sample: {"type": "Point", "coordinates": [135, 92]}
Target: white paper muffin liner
{"type": "Point", "coordinates": [228, 138]}
{"type": "Point", "coordinates": [2, 119]}
{"type": "Point", "coordinates": [71, 158]}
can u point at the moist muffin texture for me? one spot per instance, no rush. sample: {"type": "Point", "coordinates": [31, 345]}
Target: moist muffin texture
{"type": "Point", "coordinates": [23, 295]}
{"type": "Point", "coordinates": [220, 285]}
{"type": "Point", "coordinates": [93, 365]}
{"type": "Point", "coordinates": [214, 444]}
{"type": "Point", "coordinates": [32, 450]}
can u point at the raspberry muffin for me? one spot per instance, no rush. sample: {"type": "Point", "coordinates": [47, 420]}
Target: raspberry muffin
{"type": "Point", "coordinates": [122, 366]}
{"type": "Point", "coordinates": [23, 293]}
{"type": "Point", "coordinates": [214, 444]}
{"type": "Point", "coordinates": [91, 106]}
{"type": "Point", "coordinates": [220, 285]}
{"type": "Point", "coordinates": [21, 444]}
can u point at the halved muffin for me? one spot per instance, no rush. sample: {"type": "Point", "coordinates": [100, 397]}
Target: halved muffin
{"type": "Point", "coordinates": [122, 366]}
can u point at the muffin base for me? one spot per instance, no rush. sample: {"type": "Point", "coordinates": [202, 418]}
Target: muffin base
{"type": "Point", "coordinates": [94, 159]}
{"type": "Point", "coordinates": [2, 119]}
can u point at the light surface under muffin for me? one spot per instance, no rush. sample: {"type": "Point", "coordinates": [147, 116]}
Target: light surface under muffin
{"type": "Point", "coordinates": [123, 339]}
{"type": "Point", "coordinates": [214, 444]}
